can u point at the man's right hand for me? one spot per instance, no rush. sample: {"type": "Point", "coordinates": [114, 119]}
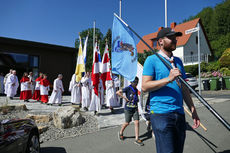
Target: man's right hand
{"type": "Point", "coordinates": [174, 73]}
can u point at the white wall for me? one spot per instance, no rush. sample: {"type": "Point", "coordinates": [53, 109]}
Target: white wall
{"type": "Point", "coordinates": [179, 52]}
{"type": "Point", "coordinates": [192, 46]}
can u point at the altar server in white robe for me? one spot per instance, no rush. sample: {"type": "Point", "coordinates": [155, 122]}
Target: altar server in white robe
{"type": "Point", "coordinates": [75, 89]}
{"type": "Point", "coordinates": [11, 85]}
{"type": "Point", "coordinates": [101, 93]}
{"type": "Point", "coordinates": [32, 82]}
{"type": "Point", "coordinates": [110, 95]}
{"type": "Point", "coordinates": [85, 91]}
{"type": "Point", "coordinates": [56, 96]}
{"type": "Point", "coordinates": [8, 74]}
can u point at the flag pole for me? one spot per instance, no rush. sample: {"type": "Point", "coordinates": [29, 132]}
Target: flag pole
{"type": "Point", "coordinates": [166, 15]}
{"type": "Point", "coordinates": [212, 110]}
{"type": "Point", "coordinates": [94, 26]}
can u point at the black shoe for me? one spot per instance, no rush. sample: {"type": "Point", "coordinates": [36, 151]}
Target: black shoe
{"type": "Point", "coordinates": [96, 113]}
{"type": "Point", "coordinates": [120, 136]}
{"type": "Point", "coordinates": [85, 109]}
{"type": "Point", "coordinates": [11, 98]}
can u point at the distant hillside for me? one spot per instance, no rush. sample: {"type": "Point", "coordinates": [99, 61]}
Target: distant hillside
{"type": "Point", "coordinates": [216, 22]}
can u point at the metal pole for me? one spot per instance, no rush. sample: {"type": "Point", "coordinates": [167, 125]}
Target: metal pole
{"type": "Point", "coordinates": [120, 10]}
{"type": "Point", "coordinates": [221, 119]}
{"type": "Point", "coordinates": [166, 13]}
{"type": "Point", "coordinates": [198, 35]}
{"type": "Point", "coordinates": [94, 26]}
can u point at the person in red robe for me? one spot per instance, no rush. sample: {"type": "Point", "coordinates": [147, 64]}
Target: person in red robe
{"type": "Point", "coordinates": [44, 89]}
{"type": "Point", "coordinates": [36, 95]}
{"type": "Point", "coordinates": [26, 92]}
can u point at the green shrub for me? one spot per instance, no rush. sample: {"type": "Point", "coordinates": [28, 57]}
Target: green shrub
{"type": "Point", "coordinates": [193, 69]}
{"type": "Point", "coordinates": [225, 71]}
{"type": "Point", "coordinates": [225, 59]}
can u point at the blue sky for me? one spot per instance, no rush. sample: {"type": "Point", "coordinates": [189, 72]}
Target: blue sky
{"type": "Point", "coordinates": [59, 21]}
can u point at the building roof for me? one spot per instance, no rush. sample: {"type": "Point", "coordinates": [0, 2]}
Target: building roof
{"type": "Point", "coordinates": [181, 40]}
{"type": "Point", "coordinates": [12, 41]}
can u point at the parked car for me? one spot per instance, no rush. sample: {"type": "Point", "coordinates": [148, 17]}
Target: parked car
{"type": "Point", "coordinates": [191, 80]}
{"type": "Point", "coordinates": [19, 136]}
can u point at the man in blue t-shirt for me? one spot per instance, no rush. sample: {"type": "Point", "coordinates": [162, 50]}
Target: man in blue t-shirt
{"type": "Point", "coordinates": [131, 109]}
{"type": "Point", "coordinates": [167, 94]}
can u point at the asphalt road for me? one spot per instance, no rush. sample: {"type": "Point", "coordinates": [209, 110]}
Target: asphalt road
{"type": "Point", "coordinates": [215, 140]}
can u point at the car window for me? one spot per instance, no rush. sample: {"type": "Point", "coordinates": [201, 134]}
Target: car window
{"type": "Point", "coordinates": [189, 75]}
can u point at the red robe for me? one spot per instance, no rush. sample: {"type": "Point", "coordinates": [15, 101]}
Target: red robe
{"type": "Point", "coordinates": [44, 84]}
{"type": "Point", "coordinates": [36, 95]}
{"type": "Point", "coordinates": [26, 92]}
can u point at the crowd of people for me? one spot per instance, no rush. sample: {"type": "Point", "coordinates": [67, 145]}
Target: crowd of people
{"type": "Point", "coordinates": [81, 92]}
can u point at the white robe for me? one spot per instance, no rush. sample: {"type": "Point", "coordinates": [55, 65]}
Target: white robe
{"type": "Point", "coordinates": [11, 85]}
{"type": "Point", "coordinates": [116, 81]}
{"type": "Point", "coordinates": [101, 92]}
{"type": "Point", "coordinates": [75, 89]}
{"type": "Point", "coordinates": [56, 96]}
{"type": "Point", "coordinates": [37, 85]}
{"type": "Point", "coordinates": [95, 102]}
{"type": "Point", "coordinates": [85, 92]}
{"type": "Point", "coordinates": [44, 90]}
{"type": "Point", "coordinates": [1, 84]}
{"type": "Point", "coordinates": [110, 94]}
{"type": "Point", "coordinates": [25, 86]}
{"type": "Point", "coordinates": [32, 83]}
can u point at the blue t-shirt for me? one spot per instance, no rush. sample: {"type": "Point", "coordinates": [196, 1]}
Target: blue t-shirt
{"type": "Point", "coordinates": [132, 95]}
{"type": "Point", "coordinates": [168, 98]}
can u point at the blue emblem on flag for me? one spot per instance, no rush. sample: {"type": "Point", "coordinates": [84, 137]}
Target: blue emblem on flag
{"type": "Point", "coordinates": [124, 52]}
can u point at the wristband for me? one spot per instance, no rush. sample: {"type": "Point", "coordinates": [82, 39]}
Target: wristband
{"type": "Point", "coordinates": [169, 80]}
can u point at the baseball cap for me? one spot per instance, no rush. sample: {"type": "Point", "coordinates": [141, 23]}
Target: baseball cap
{"type": "Point", "coordinates": [135, 80]}
{"type": "Point", "coordinates": [164, 32]}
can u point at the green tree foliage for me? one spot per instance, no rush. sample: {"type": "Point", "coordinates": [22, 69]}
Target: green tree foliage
{"type": "Point", "coordinates": [83, 35]}
{"type": "Point", "coordinates": [216, 23]}
{"type": "Point", "coordinates": [142, 56]}
{"type": "Point", "coordinates": [225, 59]}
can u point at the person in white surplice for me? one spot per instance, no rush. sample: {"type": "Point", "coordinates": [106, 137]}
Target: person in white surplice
{"type": "Point", "coordinates": [56, 96]}
{"type": "Point", "coordinates": [110, 95]}
{"type": "Point", "coordinates": [85, 91]}
{"type": "Point", "coordinates": [11, 85]}
{"type": "Point", "coordinates": [101, 93]}
{"type": "Point", "coordinates": [75, 89]}
{"type": "Point", "coordinates": [6, 76]}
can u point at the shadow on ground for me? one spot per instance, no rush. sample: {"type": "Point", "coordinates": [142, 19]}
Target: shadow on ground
{"type": "Point", "coordinates": [205, 140]}
{"type": "Point", "coordinates": [53, 150]}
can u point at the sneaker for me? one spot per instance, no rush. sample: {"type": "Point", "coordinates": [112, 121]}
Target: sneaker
{"type": "Point", "coordinates": [120, 137]}
{"type": "Point", "coordinates": [139, 142]}
{"type": "Point", "coordinates": [59, 104]}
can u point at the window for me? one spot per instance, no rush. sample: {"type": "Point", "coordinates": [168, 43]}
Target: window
{"type": "Point", "coordinates": [154, 42]}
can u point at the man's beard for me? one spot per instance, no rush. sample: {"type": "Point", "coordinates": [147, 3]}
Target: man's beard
{"type": "Point", "coordinates": [170, 47]}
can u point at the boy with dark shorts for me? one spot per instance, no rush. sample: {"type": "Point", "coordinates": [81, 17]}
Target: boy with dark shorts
{"type": "Point", "coordinates": [131, 109]}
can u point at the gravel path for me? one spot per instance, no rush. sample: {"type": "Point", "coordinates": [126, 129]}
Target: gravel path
{"type": "Point", "coordinates": [90, 125]}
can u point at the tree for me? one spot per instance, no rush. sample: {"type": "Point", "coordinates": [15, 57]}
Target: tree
{"type": "Point", "coordinates": [83, 34]}
{"type": "Point", "coordinates": [225, 58]}
{"type": "Point", "coordinates": [216, 23]}
{"type": "Point", "coordinates": [142, 56]}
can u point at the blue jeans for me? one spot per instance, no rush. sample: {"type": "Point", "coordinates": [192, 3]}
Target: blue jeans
{"type": "Point", "coordinates": [169, 130]}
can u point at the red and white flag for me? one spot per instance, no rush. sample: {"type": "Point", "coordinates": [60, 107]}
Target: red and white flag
{"type": "Point", "coordinates": [95, 69]}
{"type": "Point", "coordinates": [105, 70]}
{"type": "Point", "coordinates": [95, 102]}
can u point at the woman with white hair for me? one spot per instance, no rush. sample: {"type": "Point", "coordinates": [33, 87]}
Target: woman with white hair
{"type": "Point", "coordinates": [56, 96]}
